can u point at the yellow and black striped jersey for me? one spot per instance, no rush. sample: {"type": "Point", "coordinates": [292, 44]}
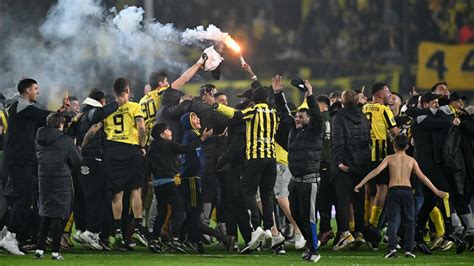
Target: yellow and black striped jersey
{"type": "Point", "coordinates": [262, 123]}
{"type": "Point", "coordinates": [281, 154]}
{"type": "Point", "coordinates": [150, 104]}
{"type": "Point", "coordinates": [120, 126]}
{"type": "Point", "coordinates": [381, 120]}
{"type": "Point", "coordinates": [3, 121]}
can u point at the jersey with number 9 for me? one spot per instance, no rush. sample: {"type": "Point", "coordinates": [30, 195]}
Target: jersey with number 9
{"type": "Point", "coordinates": [120, 126]}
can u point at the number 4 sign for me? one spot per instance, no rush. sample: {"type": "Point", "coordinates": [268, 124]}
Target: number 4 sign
{"type": "Point", "coordinates": [451, 63]}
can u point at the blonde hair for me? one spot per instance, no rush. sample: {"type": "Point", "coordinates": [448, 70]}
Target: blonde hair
{"type": "Point", "coordinates": [349, 98]}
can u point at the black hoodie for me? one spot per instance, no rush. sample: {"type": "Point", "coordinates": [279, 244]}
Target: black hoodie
{"type": "Point", "coordinates": [57, 156]}
{"type": "Point", "coordinates": [350, 139]}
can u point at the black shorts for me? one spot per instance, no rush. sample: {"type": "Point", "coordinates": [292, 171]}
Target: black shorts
{"type": "Point", "coordinates": [382, 178]}
{"type": "Point", "coordinates": [123, 166]}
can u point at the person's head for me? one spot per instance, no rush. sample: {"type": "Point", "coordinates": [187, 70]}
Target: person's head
{"type": "Point", "coordinates": [334, 97]}
{"type": "Point", "coordinates": [349, 98]}
{"type": "Point", "coordinates": [74, 106]}
{"type": "Point", "coordinates": [400, 143]}
{"type": "Point", "coordinates": [28, 88]}
{"type": "Point", "coordinates": [146, 89]}
{"type": "Point", "coordinates": [429, 100]}
{"type": "Point", "coordinates": [456, 101]}
{"type": "Point", "coordinates": [209, 89]}
{"type": "Point", "coordinates": [221, 98]}
{"type": "Point", "coordinates": [440, 88]}
{"type": "Point", "coordinates": [122, 87]}
{"type": "Point", "coordinates": [260, 95]}
{"type": "Point", "coordinates": [97, 95]}
{"type": "Point", "coordinates": [161, 130]}
{"type": "Point", "coordinates": [394, 102]}
{"type": "Point", "coordinates": [55, 120]}
{"type": "Point", "coordinates": [158, 79]}
{"type": "Point", "coordinates": [381, 92]}
{"type": "Point", "coordinates": [195, 121]}
{"type": "Point", "coordinates": [302, 117]}
{"type": "Point", "coordinates": [323, 102]}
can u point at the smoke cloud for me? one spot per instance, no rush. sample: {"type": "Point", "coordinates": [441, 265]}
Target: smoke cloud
{"type": "Point", "coordinates": [82, 45]}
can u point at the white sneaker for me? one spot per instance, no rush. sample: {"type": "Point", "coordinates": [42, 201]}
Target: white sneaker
{"type": "Point", "coordinates": [300, 242]}
{"type": "Point", "coordinates": [91, 240]}
{"type": "Point", "coordinates": [11, 245]}
{"type": "Point", "coordinates": [267, 241]}
{"type": "Point", "coordinates": [257, 236]}
{"type": "Point", "coordinates": [277, 240]}
{"type": "Point", "coordinates": [77, 237]}
{"type": "Point", "coordinates": [312, 258]}
{"type": "Point", "coordinates": [3, 233]}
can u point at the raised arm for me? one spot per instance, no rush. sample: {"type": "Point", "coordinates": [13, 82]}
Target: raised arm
{"type": "Point", "coordinates": [316, 120]}
{"type": "Point", "coordinates": [372, 174]}
{"type": "Point", "coordinates": [187, 75]}
{"type": "Point", "coordinates": [426, 181]}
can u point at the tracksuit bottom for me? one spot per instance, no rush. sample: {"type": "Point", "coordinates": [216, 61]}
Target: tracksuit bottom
{"type": "Point", "coordinates": [400, 212]}
{"type": "Point", "coordinates": [53, 226]}
{"type": "Point", "coordinates": [303, 209]}
{"type": "Point", "coordinates": [190, 189]}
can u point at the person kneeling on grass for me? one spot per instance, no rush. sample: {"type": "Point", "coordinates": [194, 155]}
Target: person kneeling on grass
{"type": "Point", "coordinates": [164, 163]}
{"type": "Point", "coordinates": [56, 155]}
{"type": "Point", "coordinates": [400, 210]}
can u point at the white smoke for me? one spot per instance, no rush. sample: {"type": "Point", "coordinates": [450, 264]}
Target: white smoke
{"type": "Point", "coordinates": [83, 45]}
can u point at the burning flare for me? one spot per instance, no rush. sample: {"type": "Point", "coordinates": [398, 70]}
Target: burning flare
{"type": "Point", "coordinates": [230, 43]}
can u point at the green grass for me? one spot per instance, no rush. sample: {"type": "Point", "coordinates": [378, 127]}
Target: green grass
{"type": "Point", "coordinates": [216, 255]}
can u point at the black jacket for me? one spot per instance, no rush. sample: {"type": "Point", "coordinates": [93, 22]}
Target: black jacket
{"type": "Point", "coordinates": [93, 114]}
{"type": "Point", "coordinates": [57, 156]}
{"type": "Point", "coordinates": [171, 111]}
{"type": "Point", "coordinates": [163, 156]}
{"type": "Point", "coordinates": [24, 119]}
{"type": "Point", "coordinates": [350, 139]}
{"type": "Point", "coordinates": [304, 144]}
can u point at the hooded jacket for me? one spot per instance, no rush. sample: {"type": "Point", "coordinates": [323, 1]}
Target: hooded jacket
{"type": "Point", "coordinates": [192, 163]}
{"type": "Point", "coordinates": [24, 118]}
{"type": "Point", "coordinates": [350, 139]}
{"type": "Point", "coordinates": [93, 113]}
{"type": "Point", "coordinates": [57, 157]}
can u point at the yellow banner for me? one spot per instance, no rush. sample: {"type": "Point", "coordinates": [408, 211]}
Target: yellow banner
{"type": "Point", "coordinates": [451, 63]}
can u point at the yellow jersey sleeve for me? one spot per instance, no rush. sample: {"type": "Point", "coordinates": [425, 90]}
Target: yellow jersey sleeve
{"type": "Point", "coordinates": [281, 154]}
{"type": "Point", "coordinates": [120, 126]}
{"type": "Point", "coordinates": [389, 119]}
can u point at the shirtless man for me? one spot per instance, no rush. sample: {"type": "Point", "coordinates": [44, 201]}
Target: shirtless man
{"type": "Point", "coordinates": [400, 210]}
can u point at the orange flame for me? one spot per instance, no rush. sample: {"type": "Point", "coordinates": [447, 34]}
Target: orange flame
{"type": "Point", "coordinates": [230, 43]}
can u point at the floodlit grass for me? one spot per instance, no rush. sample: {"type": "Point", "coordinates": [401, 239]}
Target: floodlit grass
{"type": "Point", "coordinates": [216, 255]}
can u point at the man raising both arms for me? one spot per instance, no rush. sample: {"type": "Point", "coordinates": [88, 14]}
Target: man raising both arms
{"type": "Point", "coordinates": [123, 153]}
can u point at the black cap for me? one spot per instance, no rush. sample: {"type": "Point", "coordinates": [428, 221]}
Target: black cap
{"type": "Point", "coordinates": [456, 96]}
{"type": "Point", "coordinates": [428, 97]}
{"type": "Point", "coordinates": [247, 94]}
{"type": "Point", "coordinates": [413, 101]}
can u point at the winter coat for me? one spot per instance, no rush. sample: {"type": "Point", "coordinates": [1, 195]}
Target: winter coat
{"type": "Point", "coordinates": [57, 156]}
{"type": "Point", "coordinates": [454, 159]}
{"type": "Point", "coordinates": [304, 144]}
{"type": "Point", "coordinates": [350, 140]}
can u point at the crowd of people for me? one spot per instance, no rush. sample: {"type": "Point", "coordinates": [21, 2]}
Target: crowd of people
{"type": "Point", "coordinates": [157, 172]}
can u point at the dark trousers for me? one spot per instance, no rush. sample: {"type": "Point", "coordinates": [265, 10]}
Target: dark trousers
{"type": "Point", "coordinates": [93, 183]}
{"type": "Point", "coordinates": [326, 198]}
{"type": "Point", "coordinates": [400, 212]}
{"type": "Point", "coordinates": [79, 208]}
{"type": "Point", "coordinates": [233, 207]}
{"type": "Point", "coordinates": [168, 194]}
{"type": "Point", "coordinates": [190, 189]}
{"type": "Point", "coordinates": [53, 226]}
{"type": "Point", "coordinates": [345, 195]}
{"type": "Point", "coordinates": [259, 173]}
{"type": "Point", "coordinates": [19, 191]}
{"type": "Point", "coordinates": [303, 209]}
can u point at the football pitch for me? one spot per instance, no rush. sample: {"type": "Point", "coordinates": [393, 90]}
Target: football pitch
{"type": "Point", "coordinates": [217, 255]}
